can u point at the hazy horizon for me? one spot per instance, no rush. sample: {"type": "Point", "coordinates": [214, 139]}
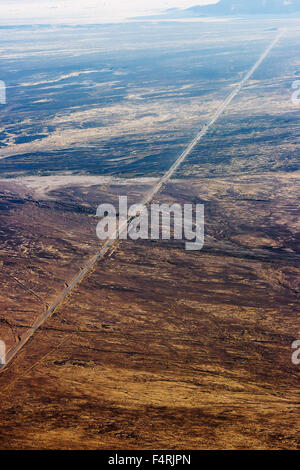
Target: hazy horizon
{"type": "Point", "coordinates": [70, 11]}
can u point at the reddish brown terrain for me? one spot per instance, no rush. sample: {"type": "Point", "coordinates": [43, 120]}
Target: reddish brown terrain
{"type": "Point", "coordinates": [156, 347]}
{"type": "Point", "coordinates": [163, 348]}
{"type": "Point", "coordinates": [45, 241]}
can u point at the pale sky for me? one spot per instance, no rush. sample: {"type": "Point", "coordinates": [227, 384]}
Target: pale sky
{"type": "Point", "coordinates": [32, 11]}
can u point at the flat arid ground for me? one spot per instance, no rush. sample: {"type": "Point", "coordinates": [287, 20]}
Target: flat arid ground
{"type": "Point", "coordinates": [157, 347]}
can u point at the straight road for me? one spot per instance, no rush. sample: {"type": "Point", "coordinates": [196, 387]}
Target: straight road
{"type": "Point", "coordinates": [110, 244]}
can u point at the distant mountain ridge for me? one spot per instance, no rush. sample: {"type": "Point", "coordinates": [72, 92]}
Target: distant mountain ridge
{"type": "Point", "coordinates": [228, 7]}
{"type": "Point", "coordinates": [237, 7]}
